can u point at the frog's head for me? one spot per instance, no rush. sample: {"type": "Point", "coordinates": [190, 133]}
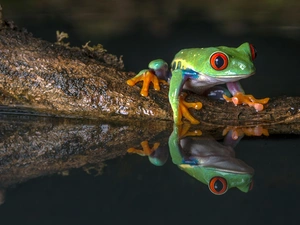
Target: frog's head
{"type": "Point", "coordinates": [219, 62]}
{"type": "Point", "coordinates": [220, 184]}
{"type": "Point", "coordinates": [219, 181]}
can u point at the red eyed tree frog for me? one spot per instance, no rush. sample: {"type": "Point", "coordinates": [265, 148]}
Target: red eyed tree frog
{"type": "Point", "coordinates": [198, 70]}
{"type": "Point", "coordinates": [210, 162]}
{"type": "Point", "coordinates": [204, 158]}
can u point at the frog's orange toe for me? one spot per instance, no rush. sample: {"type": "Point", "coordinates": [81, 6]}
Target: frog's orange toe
{"type": "Point", "coordinates": [184, 131]}
{"type": "Point", "coordinates": [131, 150]}
{"type": "Point", "coordinates": [130, 82]}
{"type": "Point", "coordinates": [265, 100]}
{"type": "Point", "coordinates": [235, 135]}
{"type": "Point", "coordinates": [258, 106]}
{"type": "Point", "coordinates": [144, 92]}
{"type": "Point", "coordinates": [146, 149]}
{"type": "Point", "coordinates": [183, 107]}
{"type": "Point", "coordinates": [227, 99]}
{"type": "Point", "coordinates": [235, 101]}
{"type": "Point", "coordinates": [147, 77]}
{"type": "Point", "coordinates": [197, 105]}
{"type": "Point", "coordinates": [248, 131]}
{"type": "Point", "coordinates": [240, 98]}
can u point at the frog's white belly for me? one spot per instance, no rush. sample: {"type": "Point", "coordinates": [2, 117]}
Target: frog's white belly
{"type": "Point", "coordinates": [204, 82]}
{"type": "Point", "coordinates": [210, 153]}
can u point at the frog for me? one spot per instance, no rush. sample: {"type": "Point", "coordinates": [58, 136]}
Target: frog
{"type": "Point", "coordinates": [209, 161]}
{"type": "Point", "coordinates": [200, 70]}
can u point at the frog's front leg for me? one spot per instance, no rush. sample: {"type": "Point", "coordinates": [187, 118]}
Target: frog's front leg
{"type": "Point", "coordinates": [147, 76]}
{"type": "Point", "coordinates": [179, 106]}
{"type": "Point", "coordinates": [157, 73]}
{"type": "Point", "coordinates": [146, 149]}
{"type": "Point", "coordinates": [239, 97]}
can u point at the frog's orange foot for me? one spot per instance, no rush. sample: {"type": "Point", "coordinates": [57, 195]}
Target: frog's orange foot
{"type": "Point", "coordinates": [184, 131]}
{"type": "Point", "coordinates": [184, 106]}
{"type": "Point", "coordinates": [147, 77]}
{"type": "Point", "coordinates": [248, 131]}
{"type": "Point", "coordinates": [240, 98]}
{"type": "Point", "coordinates": [256, 131]}
{"type": "Point", "coordinates": [236, 132]}
{"type": "Point", "coordinates": [146, 149]}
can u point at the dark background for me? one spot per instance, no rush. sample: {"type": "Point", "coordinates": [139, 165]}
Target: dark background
{"type": "Point", "coordinates": [131, 190]}
{"type": "Point", "coordinates": [145, 30]}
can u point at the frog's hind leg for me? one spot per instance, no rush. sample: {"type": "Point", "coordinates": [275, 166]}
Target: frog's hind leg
{"type": "Point", "coordinates": [239, 97]}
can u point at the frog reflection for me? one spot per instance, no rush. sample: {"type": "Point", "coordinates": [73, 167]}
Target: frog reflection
{"type": "Point", "coordinates": [203, 158]}
{"type": "Point", "coordinates": [157, 155]}
{"type": "Point", "coordinates": [210, 162]}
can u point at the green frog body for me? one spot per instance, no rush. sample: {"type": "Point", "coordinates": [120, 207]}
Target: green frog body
{"type": "Point", "coordinates": [200, 69]}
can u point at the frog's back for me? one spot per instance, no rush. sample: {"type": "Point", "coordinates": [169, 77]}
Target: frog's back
{"type": "Point", "coordinates": [186, 58]}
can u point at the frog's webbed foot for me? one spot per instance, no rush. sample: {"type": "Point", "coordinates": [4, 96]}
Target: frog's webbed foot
{"type": "Point", "coordinates": [237, 132]}
{"type": "Point", "coordinates": [146, 149]}
{"type": "Point", "coordinates": [256, 131]}
{"type": "Point", "coordinates": [240, 98]}
{"type": "Point", "coordinates": [184, 131]}
{"type": "Point", "coordinates": [183, 109]}
{"type": "Point", "coordinates": [147, 76]}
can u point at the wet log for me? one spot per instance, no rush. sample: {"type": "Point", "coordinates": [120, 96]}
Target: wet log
{"type": "Point", "coordinates": [58, 80]}
{"type": "Point", "coordinates": [32, 146]}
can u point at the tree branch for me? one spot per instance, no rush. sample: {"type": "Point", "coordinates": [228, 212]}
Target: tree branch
{"type": "Point", "coordinates": [53, 79]}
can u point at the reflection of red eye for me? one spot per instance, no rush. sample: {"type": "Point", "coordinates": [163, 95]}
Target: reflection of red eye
{"type": "Point", "coordinates": [218, 185]}
{"type": "Point", "coordinates": [253, 52]}
{"type": "Point", "coordinates": [219, 61]}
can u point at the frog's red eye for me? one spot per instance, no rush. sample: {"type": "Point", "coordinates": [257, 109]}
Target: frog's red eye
{"type": "Point", "coordinates": [219, 61]}
{"type": "Point", "coordinates": [253, 52]}
{"type": "Point", "coordinates": [218, 185]}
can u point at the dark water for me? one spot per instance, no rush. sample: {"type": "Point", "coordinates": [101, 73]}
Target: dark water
{"type": "Point", "coordinates": [133, 191]}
